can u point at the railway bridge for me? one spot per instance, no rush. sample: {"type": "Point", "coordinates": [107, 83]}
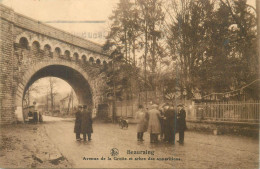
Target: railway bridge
{"type": "Point", "coordinates": [31, 50]}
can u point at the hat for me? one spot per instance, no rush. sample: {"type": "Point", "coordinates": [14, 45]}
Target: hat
{"type": "Point", "coordinates": [154, 106]}
{"type": "Point", "coordinates": [180, 105]}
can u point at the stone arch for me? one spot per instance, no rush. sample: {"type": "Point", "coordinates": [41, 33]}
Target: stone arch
{"type": "Point", "coordinates": [25, 35]}
{"type": "Point", "coordinates": [60, 47]}
{"type": "Point", "coordinates": [105, 65]}
{"type": "Point", "coordinates": [24, 43]}
{"type": "Point", "coordinates": [91, 60]}
{"type": "Point", "coordinates": [75, 76]}
{"type": "Point", "coordinates": [47, 44]}
{"type": "Point", "coordinates": [33, 39]}
{"type": "Point", "coordinates": [36, 46]}
{"type": "Point", "coordinates": [57, 52]}
{"type": "Point", "coordinates": [98, 62]}
{"type": "Point", "coordinates": [47, 50]}
{"type": "Point", "coordinates": [76, 56]}
{"type": "Point", "coordinates": [67, 54]}
{"type": "Point", "coordinates": [84, 58]}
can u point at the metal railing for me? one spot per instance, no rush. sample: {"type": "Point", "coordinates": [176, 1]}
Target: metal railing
{"type": "Point", "coordinates": [235, 111]}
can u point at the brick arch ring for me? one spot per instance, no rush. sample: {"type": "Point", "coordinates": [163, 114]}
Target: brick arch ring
{"type": "Point", "coordinates": [37, 67]}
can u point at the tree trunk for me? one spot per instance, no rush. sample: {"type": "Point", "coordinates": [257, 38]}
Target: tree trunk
{"type": "Point", "coordinates": [258, 32]}
{"type": "Point", "coordinates": [145, 57]}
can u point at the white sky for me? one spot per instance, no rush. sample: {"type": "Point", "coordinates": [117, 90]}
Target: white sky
{"type": "Point", "coordinates": [69, 10]}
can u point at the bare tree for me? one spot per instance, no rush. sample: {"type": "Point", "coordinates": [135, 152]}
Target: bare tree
{"type": "Point", "coordinates": [70, 103]}
{"type": "Point", "coordinates": [34, 88]}
{"type": "Point", "coordinates": [53, 93]}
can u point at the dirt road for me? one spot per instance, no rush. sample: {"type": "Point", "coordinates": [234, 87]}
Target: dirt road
{"type": "Point", "coordinates": [52, 145]}
{"type": "Point", "coordinates": [199, 151]}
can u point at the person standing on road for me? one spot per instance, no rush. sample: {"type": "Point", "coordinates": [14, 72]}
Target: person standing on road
{"type": "Point", "coordinates": [30, 114]}
{"type": "Point", "coordinates": [170, 124]}
{"type": "Point", "coordinates": [163, 109]}
{"type": "Point", "coordinates": [86, 123]}
{"type": "Point", "coordinates": [77, 126]}
{"type": "Point", "coordinates": [35, 117]}
{"type": "Point", "coordinates": [141, 123]}
{"type": "Point", "coordinates": [181, 123]}
{"type": "Point", "coordinates": [154, 126]}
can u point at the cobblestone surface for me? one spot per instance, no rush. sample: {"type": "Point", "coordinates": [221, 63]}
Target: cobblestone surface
{"type": "Point", "coordinates": [199, 151]}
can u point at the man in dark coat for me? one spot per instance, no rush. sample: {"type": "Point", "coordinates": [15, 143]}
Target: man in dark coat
{"type": "Point", "coordinates": [170, 124]}
{"type": "Point", "coordinates": [77, 127]}
{"type": "Point", "coordinates": [30, 114]}
{"type": "Point", "coordinates": [35, 116]}
{"type": "Point", "coordinates": [162, 120]}
{"type": "Point", "coordinates": [181, 123]}
{"type": "Point", "coordinates": [86, 123]}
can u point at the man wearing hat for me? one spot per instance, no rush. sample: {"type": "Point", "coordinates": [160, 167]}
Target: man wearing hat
{"type": "Point", "coordinates": [86, 123]}
{"type": "Point", "coordinates": [181, 122]}
{"type": "Point", "coordinates": [154, 126]}
{"type": "Point", "coordinates": [77, 127]}
{"type": "Point", "coordinates": [170, 124]}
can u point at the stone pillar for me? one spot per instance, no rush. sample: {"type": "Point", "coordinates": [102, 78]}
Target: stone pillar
{"type": "Point", "coordinates": [7, 101]}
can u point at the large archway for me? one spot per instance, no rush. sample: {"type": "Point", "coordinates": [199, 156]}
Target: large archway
{"type": "Point", "coordinates": [74, 75]}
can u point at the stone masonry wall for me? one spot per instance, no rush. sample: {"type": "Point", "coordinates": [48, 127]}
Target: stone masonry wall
{"type": "Point", "coordinates": [6, 74]}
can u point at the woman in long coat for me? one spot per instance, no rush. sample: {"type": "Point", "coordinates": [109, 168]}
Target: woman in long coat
{"type": "Point", "coordinates": [77, 126]}
{"type": "Point", "coordinates": [154, 126]}
{"type": "Point", "coordinates": [86, 123]}
{"type": "Point", "coordinates": [141, 123]}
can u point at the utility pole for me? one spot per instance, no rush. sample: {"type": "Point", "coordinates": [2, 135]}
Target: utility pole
{"type": "Point", "coordinates": [114, 93]}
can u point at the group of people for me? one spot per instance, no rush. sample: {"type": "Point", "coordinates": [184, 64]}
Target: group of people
{"type": "Point", "coordinates": [83, 123]}
{"type": "Point", "coordinates": [166, 122]}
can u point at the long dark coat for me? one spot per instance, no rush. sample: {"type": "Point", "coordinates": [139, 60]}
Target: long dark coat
{"type": "Point", "coordinates": [35, 116]}
{"type": "Point", "coordinates": [182, 120]}
{"type": "Point", "coordinates": [77, 127]}
{"type": "Point", "coordinates": [86, 122]}
{"type": "Point", "coordinates": [170, 121]}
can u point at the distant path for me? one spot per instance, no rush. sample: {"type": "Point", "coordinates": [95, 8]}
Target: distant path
{"type": "Point", "coordinates": [200, 150]}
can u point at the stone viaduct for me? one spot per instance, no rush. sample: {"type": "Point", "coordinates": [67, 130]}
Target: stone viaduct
{"type": "Point", "coordinates": [31, 50]}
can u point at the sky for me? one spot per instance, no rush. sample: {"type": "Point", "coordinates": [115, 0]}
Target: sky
{"type": "Point", "coordinates": [69, 10]}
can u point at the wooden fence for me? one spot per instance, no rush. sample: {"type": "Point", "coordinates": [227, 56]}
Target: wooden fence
{"type": "Point", "coordinates": [126, 109]}
{"type": "Point", "coordinates": [245, 111]}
